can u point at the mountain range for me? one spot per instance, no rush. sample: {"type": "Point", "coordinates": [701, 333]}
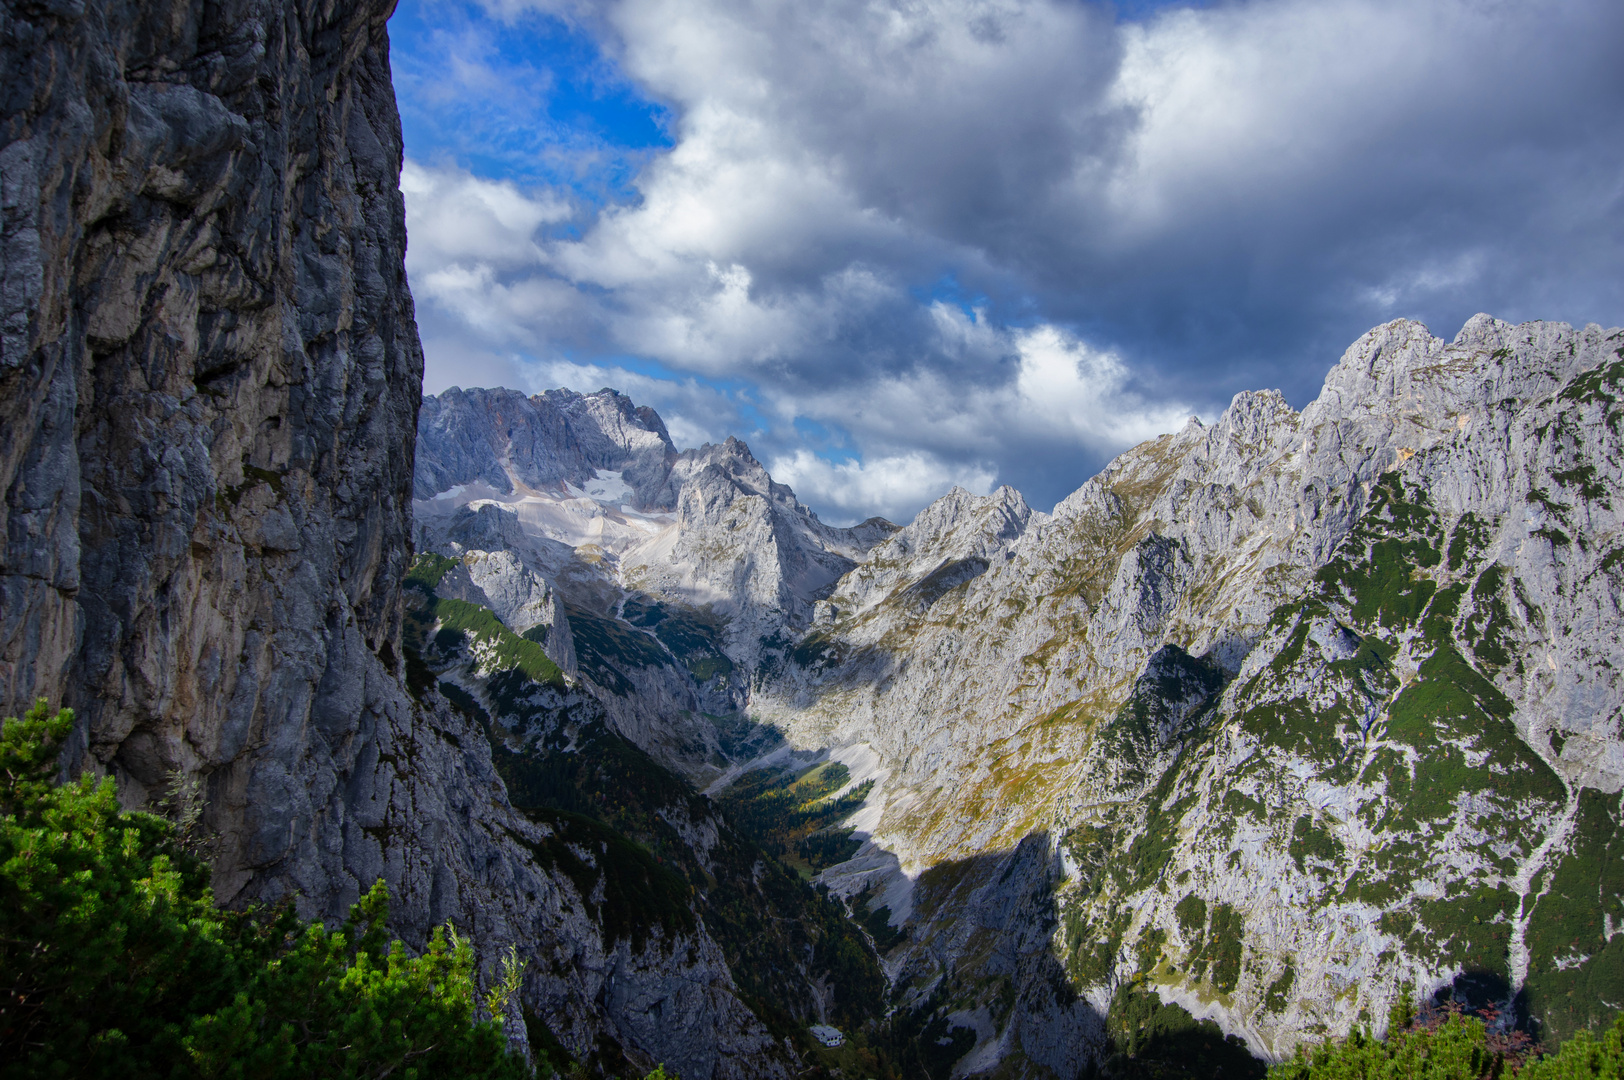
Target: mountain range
{"type": "Point", "coordinates": [1264, 724]}
{"type": "Point", "coordinates": [1274, 717]}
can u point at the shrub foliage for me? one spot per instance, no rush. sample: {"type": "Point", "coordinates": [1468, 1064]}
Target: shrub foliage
{"type": "Point", "coordinates": [1448, 1044]}
{"type": "Point", "coordinates": [115, 962]}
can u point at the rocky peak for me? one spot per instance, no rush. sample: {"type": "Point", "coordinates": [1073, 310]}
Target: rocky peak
{"type": "Point", "coordinates": [951, 541]}
{"type": "Point", "coordinates": [1403, 381]}
{"type": "Point", "coordinates": [511, 443]}
{"type": "Point", "coordinates": [1248, 436]}
{"type": "Point", "coordinates": [731, 464]}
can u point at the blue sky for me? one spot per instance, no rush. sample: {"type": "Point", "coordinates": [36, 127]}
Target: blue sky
{"type": "Point", "coordinates": [901, 246]}
{"type": "Point", "coordinates": [531, 99]}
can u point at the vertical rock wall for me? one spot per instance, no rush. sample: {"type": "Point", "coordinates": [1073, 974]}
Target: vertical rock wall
{"type": "Point", "coordinates": [209, 388]}
{"type": "Point", "coordinates": [209, 381]}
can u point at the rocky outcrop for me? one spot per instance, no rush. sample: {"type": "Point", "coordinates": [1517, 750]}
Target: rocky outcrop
{"type": "Point", "coordinates": [209, 399]}
{"type": "Point", "coordinates": [209, 391]}
{"type": "Point", "coordinates": [1405, 589]}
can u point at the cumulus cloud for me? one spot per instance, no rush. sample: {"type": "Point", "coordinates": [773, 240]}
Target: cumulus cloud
{"type": "Point", "coordinates": [458, 219]}
{"type": "Point", "coordinates": [1064, 404]}
{"type": "Point", "coordinates": [893, 486]}
{"type": "Point", "coordinates": [1078, 393]}
{"type": "Point", "coordinates": [1018, 235]}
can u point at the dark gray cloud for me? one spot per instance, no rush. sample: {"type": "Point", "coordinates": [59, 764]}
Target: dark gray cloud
{"type": "Point", "coordinates": [983, 242]}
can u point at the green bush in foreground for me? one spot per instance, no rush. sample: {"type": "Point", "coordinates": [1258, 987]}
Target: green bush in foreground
{"type": "Point", "coordinates": [114, 961]}
{"type": "Point", "coordinates": [1453, 1046]}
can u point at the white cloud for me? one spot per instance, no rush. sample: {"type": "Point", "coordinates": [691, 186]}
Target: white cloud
{"type": "Point", "coordinates": [1033, 145]}
{"type": "Point", "coordinates": [474, 252]}
{"type": "Point", "coordinates": [1266, 107]}
{"type": "Point", "coordinates": [1062, 392]}
{"type": "Point", "coordinates": [457, 218]}
{"type": "Point", "coordinates": [894, 487]}
{"type": "Point", "coordinates": [1204, 199]}
{"type": "Point", "coordinates": [1080, 393]}
{"type": "Point", "coordinates": [1066, 400]}
{"type": "Point", "coordinates": [1415, 284]}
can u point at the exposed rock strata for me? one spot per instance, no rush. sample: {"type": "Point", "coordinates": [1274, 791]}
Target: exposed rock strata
{"type": "Point", "coordinates": [1282, 697]}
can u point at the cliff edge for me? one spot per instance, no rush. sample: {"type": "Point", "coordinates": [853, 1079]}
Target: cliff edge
{"type": "Point", "coordinates": [210, 380]}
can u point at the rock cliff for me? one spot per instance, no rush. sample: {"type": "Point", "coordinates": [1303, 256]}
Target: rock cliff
{"type": "Point", "coordinates": [209, 394]}
{"type": "Point", "coordinates": [209, 400]}
{"type": "Point", "coordinates": [511, 443]}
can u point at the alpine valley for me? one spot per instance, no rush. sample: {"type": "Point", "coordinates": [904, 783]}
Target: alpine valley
{"type": "Point", "coordinates": [1264, 726]}
{"type": "Point", "coordinates": [1264, 723]}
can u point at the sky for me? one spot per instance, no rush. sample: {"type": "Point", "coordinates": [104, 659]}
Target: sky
{"type": "Point", "coordinates": [898, 245]}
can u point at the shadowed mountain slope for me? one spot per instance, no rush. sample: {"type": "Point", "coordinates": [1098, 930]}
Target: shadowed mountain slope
{"type": "Point", "coordinates": [1308, 706]}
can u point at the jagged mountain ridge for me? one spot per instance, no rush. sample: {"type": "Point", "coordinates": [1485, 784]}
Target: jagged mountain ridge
{"type": "Point", "coordinates": [599, 457]}
{"type": "Point", "coordinates": [737, 557]}
{"type": "Point", "coordinates": [1200, 541]}
{"type": "Point", "coordinates": [1070, 676]}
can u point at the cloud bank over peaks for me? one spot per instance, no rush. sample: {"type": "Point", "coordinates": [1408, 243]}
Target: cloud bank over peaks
{"type": "Point", "coordinates": [1079, 392]}
{"type": "Point", "coordinates": [900, 244]}
{"type": "Point", "coordinates": [894, 487]}
{"type": "Point", "coordinates": [1063, 395]}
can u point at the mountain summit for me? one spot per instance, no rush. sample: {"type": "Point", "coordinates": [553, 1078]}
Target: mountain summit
{"type": "Point", "coordinates": [1277, 716]}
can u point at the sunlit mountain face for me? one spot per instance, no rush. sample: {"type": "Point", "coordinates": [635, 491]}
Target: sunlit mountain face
{"type": "Point", "coordinates": [957, 616]}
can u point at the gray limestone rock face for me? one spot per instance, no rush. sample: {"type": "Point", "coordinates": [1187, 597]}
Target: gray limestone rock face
{"type": "Point", "coordinates": [1193, 539]}
{"type": "Point", "coordinates": [595, 493]}
{"type": "Point", "coordinates": [745, 545]}
{"type": "Point", "coordinates": [209, 389]}
{"type": "Point", "coordinates": [507, 441]}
